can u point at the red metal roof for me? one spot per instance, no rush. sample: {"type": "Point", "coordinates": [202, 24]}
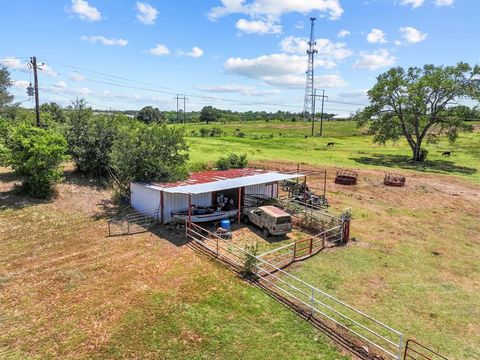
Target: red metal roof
{"type": "Point", "coordinates": [213, 175]}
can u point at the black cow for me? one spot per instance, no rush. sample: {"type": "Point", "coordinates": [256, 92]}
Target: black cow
{"type": "Point", "coordinates": [330, 144]}
{"type": "Point", "coordinates": [446, 153]}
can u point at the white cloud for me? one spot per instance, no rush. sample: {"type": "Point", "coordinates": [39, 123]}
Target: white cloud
{"type": "Point", "coordinates": [258, 27]}
{"type": "Point", "coordinates": [13, 63]}
{"type": "Point", "coordinates": [276, 8]}
{"type": "Point", "coordinates": [104, 41]}
{"type": "Point", "coordinates": [376, 36]}
{"type": "Point", "coordinates": [60, 84]}
{"type": "Point", "coordinates": [84, 10]}
{"type": "Point", "coordinates": [77, 77]}
{"type": "Point", "coordinates": [326, 49]}
{"type": "Point", "coordinates": [375, 60]}
{"type": "Point", "coordinates": [343, 33]}
{"type": "Point", "coordinates": [195, 53]}
{"type": "Point", "coordinates": [355, 96]}
{"type": "Point", "coordinates": [278, 69]}
{"type": "Point", "coordinates": [412, 35]}
{"type": "Point", "coordinates": [299, 25]}
{"type": "Point", "coordinates": [159, 50]}
{"type": "Point", "coordinates": [146, 13]}
{"type": "Point", "coordinates": [298, 81]}
{"type": "Point", "coordinates": [20, 84]}
{"type": "Point", "coordinates": [238, 89]}
{"type": "Point", "coordinates": [47, 70]}
{"type": "Point", "coordinates": [444, 2]}
{"type": "Point", "coordinates": [412, 3]}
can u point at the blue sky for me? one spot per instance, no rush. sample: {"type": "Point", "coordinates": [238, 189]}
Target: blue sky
{"type": "Point", "coordinates": [232, 54]}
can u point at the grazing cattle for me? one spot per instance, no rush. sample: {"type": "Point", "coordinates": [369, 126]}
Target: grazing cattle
{"type": "Point", "coordinates": [330, 144]}
{"type": "Point", "coordinates": [306, 136]}
{"type": "Point", "coordinates": [446, 153]}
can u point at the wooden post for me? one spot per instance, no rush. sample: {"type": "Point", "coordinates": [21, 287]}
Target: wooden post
{"type": "Point", "coordinates": [305, 194]}
{"type": "Point", "coordinates": [325, 184]}
{"type": "Point", "coordinates": [239, 205]}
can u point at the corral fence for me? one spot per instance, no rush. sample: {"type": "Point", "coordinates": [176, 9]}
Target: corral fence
{"type": "Point", "coordinates": [375, 339]}
{"type": "Point", "coordinates": [416, 351]}
{"type": "Point", "coordinates": [133, 223]}
{"type": "Point", "coordinates": [309, 218]}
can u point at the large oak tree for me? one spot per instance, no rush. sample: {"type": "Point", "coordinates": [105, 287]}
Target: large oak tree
{"type": "Point", "coordinates": [415, 102]}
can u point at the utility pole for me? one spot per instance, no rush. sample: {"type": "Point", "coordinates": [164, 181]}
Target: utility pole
{"type": "Point", "coordinates": [313, 111]}
{"type": "Point", "coordinates": [33, 63]}
{"type": "Point", "coordinates": [178, 97]}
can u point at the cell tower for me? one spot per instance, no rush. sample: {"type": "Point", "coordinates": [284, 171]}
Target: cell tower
{"type": "Point", "coordinates": [309, 85]}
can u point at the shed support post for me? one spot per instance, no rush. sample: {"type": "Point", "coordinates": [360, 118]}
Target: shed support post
{"type": "Point", "coordinates": [189, 208]}
{"type": "Point", "coordinates": [239, 204]}
{"type": "Point", "coordinates": [325, 185]}
{"type": "Point", "coordinates": [161, 207]}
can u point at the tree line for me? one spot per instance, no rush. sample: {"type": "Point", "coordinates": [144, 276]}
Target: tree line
{"type": "Point", "coordinates": [98, 144]}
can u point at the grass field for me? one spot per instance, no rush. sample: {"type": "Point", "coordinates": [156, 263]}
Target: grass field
{"type": "Point", "coordinates": [352, 149]}
{"type": "Point", "coordinates": [68, 291]}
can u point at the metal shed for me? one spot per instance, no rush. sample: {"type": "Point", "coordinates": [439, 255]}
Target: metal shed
{"type": "Point", "coordinates": [203, 188]}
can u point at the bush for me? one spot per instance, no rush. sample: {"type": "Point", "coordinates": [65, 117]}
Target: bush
{"type": "Point", "coordinates": [249, 270]}
{"type": "Point", "coordinates": [232, 161]}
{"type": "Point", "coordinates": [199, 166]}
{"type": "Point", "coordinates": [149, 153]}
{"type": "Point", "coordinates": [36, 155]}
{"type": "Point", "coordinates": [90, 139]}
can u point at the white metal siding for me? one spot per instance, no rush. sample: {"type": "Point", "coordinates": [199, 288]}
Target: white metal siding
{"type": "Point", "coordinates": [179, 202]}
{"type": "Point", "coordinates": [262, 189]}
{"type": "Point", "coordinates": [143, 199]}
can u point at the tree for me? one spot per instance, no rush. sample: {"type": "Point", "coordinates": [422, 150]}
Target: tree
{"type": "Point", "coordinates": [90, 138]}
{"type": "Point", "coordinates": [149, 153]}
{"type": "Point", "coordinates": [415, 102]}
{"type": "Point", "coordinates": [55, 111]}
{"type": "Point", "coordinates": [149, 115]}
{"type": "Point", "coordinates": [36, 155]}
{"type": "Point", "coordinates": [209, 113]}
{"type": "Point", "coordinates": [232, 161]}
{"type": "Point", "coordinates": [5, 82]}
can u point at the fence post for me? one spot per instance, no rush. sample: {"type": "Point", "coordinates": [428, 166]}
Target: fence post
{"type": "Point", "coordinates": [313, 301]}
{"type": "Point", "coordinates": [323, 239]}
{"type": "Point", "coordinates": [217, 245]}
{"type": "Point", "coordinates": [311, 244]}
{"type": "Point", "coordinates": [128, 227]}
{"type": "Point", "coordinates": [400, 343]}
{"type": "Point", "coordinates": [294, 249]}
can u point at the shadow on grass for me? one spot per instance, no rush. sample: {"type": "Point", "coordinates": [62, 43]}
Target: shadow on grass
{"type": "Point", "coordinates": [17, 199]}
{"type": "Point", "coordinates": [405, 162]}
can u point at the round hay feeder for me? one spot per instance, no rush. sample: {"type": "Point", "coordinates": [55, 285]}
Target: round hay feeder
{"type": "Point", "coordinates": [346, 177]}
{"type": "Point", "coordinates": [391, 179]}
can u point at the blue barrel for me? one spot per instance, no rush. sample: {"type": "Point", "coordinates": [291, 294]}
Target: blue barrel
{"type": "Point", "coordinates": [225, 224]}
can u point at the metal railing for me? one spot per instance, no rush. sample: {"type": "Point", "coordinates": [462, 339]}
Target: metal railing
{"type": "Point", "coordinates": [339, 315]}
{"type": "Point", "coordinates": [132, 223]}
{"type": "Point", "coordinates": [416, 351]}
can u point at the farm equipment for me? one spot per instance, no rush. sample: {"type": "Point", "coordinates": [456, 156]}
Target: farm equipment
{"type": "Point", "coordinates": [391, 179]}
{"type": "Point", "coordinates": [346, 177]}
{"type": "Point", "coordinates": [301, 193]}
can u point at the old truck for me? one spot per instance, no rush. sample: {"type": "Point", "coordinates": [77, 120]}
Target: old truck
{"type": "Point", "coordinates": [272, 220]}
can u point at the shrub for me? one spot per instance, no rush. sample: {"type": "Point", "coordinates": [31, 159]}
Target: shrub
{"type": "Point", "coordinates": [90, 139]}
{"type": "Point", "coordinates": [149, 153]}
{"type": "Point", "coordinates": [249, 270]}
{"type": "Point", "coordinates": [232, 161]}
{"type": "Point", "coordinates": [36, 155]}
{"type": "Point", "coordinates": [204, 132]}
{"type": "Point", "coordinates": [199, 166]}
{"type": "Point", "coordinates": [215, 132]}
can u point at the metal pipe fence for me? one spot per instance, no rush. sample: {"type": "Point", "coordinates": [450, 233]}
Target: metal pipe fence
{"type": "Point", "coordinates": [132, 223]}
{"type": "Point", "coordinates": [344, 318]}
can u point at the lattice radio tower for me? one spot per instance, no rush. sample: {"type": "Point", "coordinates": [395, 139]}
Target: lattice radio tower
{"type": "Point", "coordinates": [309, 85]}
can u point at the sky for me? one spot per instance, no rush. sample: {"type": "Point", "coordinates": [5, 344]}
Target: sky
{"type": "Point", "coordinates": [231, 54]}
